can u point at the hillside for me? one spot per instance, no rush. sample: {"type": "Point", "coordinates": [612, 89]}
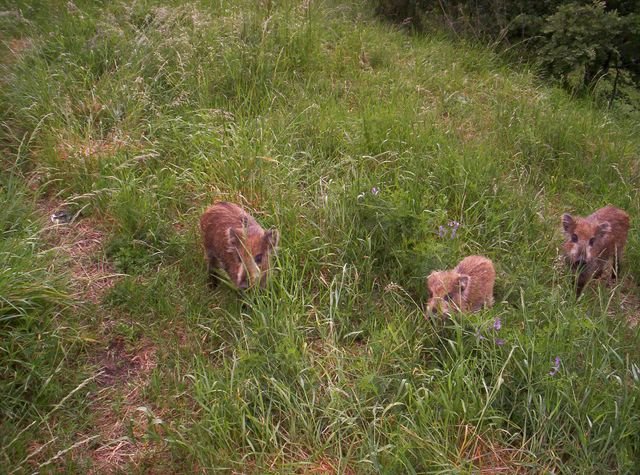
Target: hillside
{"type": "Point", "coordinates": [362, 144]}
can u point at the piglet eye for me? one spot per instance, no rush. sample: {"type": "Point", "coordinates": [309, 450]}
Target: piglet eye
{"type": "Point", "coordinates": [574, 238]}
{"type": "Point", "coordinates": [591, 241]}
{"type": "Point", "coordinates": [258, 259]}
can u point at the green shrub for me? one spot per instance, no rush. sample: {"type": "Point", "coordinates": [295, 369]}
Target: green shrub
{"type": "Point", "coordinates": [567, 38]}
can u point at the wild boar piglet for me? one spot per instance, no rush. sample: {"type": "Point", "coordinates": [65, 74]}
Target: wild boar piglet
{"type": "Point", "coordinates": [466, 288]}
{"type": "Point", "coordinates": [594, 245]}
{"type": "Point", "coordinates": [234, 241]}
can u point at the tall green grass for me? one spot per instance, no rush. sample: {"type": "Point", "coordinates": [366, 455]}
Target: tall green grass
{"type": "Point", "coordinates": [357, 141]}
{"type": "Point", "coordinates": [39, 338]}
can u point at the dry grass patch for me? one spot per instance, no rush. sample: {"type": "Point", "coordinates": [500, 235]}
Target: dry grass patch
{"type": "Point", "coordinates": [300, 462]}
{"type": "Point", "coordinates": [489, 457]}
{"type": "Point", "coordinates": [325, 466]}
{"type": "Point", "coordinates": [630, 302]}
{"type": "Point", "coordinates": [11, 50]}
{"type": "Point", "coordinates": [74, 148]}
{"type": "Point", "coordinates": [17, 46]}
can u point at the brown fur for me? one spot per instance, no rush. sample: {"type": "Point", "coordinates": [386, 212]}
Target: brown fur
{"type": "Point", "coordinates": [595, 244]}
{"type": "Point", "coordinates": [467, 288]}
{"type": "Point", "coordinates": [234, 241]}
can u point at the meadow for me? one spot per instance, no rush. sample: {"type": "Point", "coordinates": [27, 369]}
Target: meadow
{"type": "Point", "coordinates": [363, 144]}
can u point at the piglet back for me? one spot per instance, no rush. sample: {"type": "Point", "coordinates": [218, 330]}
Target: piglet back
{"type": "Point", "coordinates": [482, 276]}
{"type": "Point", "coordinates": [619, 222]}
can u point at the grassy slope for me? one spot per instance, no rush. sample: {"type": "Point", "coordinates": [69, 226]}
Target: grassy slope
{"type": "Point", "coordinates": [140, 115]}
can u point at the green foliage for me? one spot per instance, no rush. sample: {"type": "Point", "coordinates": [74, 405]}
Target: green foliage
{"type": "Point", "coordinates": [29, 295]}
{"type": "Point", "coordinates": [361, 145]}
{"type": "Point", "coordinates": [581, 38]}
{"type": "Point", "coordinates": [567, 38]}
{"type": "Point", "coordinates": [34, 345]}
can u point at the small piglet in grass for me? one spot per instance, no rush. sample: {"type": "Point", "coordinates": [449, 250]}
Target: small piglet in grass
{"type": "Point", "coordinates": [235, 242]}
{"type": "Point", "coordinates": [594, 245]}
{"type": "Point", "coordinates": [466, 288]}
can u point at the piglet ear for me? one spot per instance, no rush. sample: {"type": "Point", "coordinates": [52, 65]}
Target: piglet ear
{"type": "Point", "coordinates": [603, 228]}
{"type": "Point", "coordinates": [235, 237]}
{"type": "Point", "coordinates": [568, 223]}
{"type": "Point", "coordinates": [272, 237]}
{"type": "Point", "coordinates": [464, 283]}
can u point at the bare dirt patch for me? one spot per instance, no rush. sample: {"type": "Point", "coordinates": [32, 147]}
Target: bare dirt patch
{"type": "Point", "coordinates": [122, 415]}
{"type": "Point", "coordinates": [81, 240]}
{"type": "Point", "coordinates": [117, 366]}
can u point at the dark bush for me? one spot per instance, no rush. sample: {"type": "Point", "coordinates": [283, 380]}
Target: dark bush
{"type": "Point", "coordinates": [577, 42]}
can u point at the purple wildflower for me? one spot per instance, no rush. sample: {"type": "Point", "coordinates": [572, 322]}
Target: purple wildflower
{"type": "Point", "coordinates": [555, 367]}
{"type": "Point", "coordinates": [479, 335]}
{"type": "Point", "coordinates": [375, 191]}
{"type": "Point", "coordinates": [454, 225]}
{"type": "Point", "coordinates": [497, 324]}
{"type": "Point", "coordinates": [500, 341]}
